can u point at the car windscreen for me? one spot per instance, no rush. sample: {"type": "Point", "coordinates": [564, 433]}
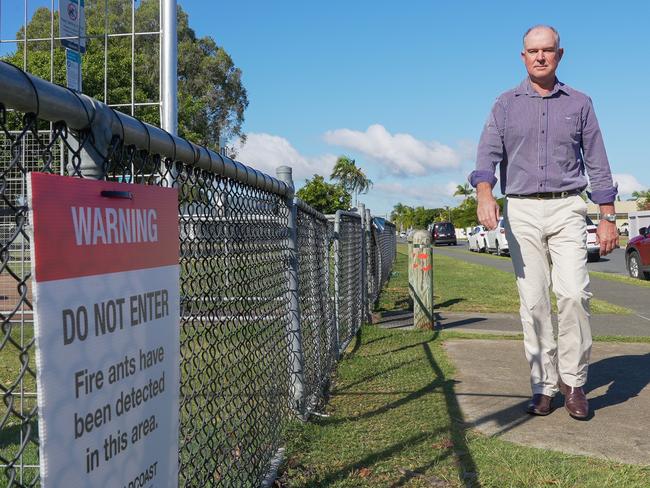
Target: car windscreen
{"type": "Point", "coordinates": [447, 228]}
{"type": "Point", "coordinates": [589, 221]}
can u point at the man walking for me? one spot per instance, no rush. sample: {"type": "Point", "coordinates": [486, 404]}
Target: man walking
{"type": "Point", "coordinates": [544, 135]}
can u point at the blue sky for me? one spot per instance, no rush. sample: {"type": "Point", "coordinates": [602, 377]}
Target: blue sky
{"type": "Point", "coordinates": [405, 87]}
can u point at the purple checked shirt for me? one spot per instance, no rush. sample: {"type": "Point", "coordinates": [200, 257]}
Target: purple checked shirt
{"type": "Point", "coordinates": [544, 144]}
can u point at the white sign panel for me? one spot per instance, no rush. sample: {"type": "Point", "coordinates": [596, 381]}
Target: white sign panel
{"type": "Point", "coordinates": [73, 69]}
{"type": "Point", "coordinates": [72, 24]}
{"type": "Point", "coordinates": [106, 302]}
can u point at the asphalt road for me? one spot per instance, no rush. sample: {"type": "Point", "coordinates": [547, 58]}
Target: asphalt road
{"type": "Point", "coordinates": [633, 297]}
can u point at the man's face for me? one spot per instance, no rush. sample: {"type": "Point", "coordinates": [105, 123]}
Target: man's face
{"type": "Point", "coordinates": [541, 54]}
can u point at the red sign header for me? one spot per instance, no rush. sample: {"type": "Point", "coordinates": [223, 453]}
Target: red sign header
{"type": "Point", "coordinates": [87, 227]}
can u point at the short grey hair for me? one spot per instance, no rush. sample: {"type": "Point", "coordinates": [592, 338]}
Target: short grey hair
{"type": "Point", "coordinates": [544, 26]}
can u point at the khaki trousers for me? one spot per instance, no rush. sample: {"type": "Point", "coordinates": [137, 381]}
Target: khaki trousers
{"type": "Point", "coordinates": [547, 241]}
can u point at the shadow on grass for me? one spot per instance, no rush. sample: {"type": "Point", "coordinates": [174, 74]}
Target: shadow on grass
{"type": "Point", "coordinates": [467, 470]}
{"type": "Point", "coordinates": [465, 464]}
{"type": "Point", "coordinates": [376, 375]}
{"type": "Point", "coordinates": [373, 458]}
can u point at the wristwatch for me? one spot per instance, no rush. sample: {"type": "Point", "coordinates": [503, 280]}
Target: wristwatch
{"type": "Point", "coordinates": [609, 218]}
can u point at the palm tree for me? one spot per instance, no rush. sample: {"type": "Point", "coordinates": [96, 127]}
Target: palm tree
{"type": "Point", "coordinates": [464, 190]}
{"type": "Point", "coordinates": [351, 177]}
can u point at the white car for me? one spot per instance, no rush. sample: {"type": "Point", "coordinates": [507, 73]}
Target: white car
{"type": "Point", "coordinates": [476, 239]}
{"type": "Point", "coordinates": [496, 241]}
{"type": "Point", "coordinates": [593, 249]}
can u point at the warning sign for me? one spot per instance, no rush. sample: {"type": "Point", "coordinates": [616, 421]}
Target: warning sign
{"type": "Point", "coordinates": [106, 302]}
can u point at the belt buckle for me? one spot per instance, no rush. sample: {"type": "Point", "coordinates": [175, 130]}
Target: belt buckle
{"type": "Point", "coordinates": [564, 194]}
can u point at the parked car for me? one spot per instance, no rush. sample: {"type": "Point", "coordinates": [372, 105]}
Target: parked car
{"type": "Point", "coordinates": [624, 229]}
{"type": "Point", "coordinates": [495, 239]}
{"type": "Point", "coordinates": [444, 233]}
{"type": "Point", "coordinates": [637, 255]}
{"type": "Point", "coordinates": [476, 239]}
{"type": "Point", "coordinates": [593, 248]}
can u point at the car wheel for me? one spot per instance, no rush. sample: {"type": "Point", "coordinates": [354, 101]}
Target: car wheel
{"type": "Point", "coordinates": [634, 265]}
{"type": "Point", "coordinates": [593, 257]}
{"type": "Point", "coordinates": [497, 251]}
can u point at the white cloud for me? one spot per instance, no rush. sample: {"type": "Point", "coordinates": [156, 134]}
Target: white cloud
{"type": "Point", "coordinates": [628, 183]}
{"type": "Point", "coordinates": [401, 154]}
{"type": "Point", "coordinates": [467, 149]}
{"type": "Point", "coordinates": [265, 152]}
{"type": "Point", "coordinates": [432, 195]}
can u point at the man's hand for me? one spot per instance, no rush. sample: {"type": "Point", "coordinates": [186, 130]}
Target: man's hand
{"type": "Point", "coordinates": [607, 237]}
{"type": "Point", "coordinates": [488, 208]}
{"type": "Point", "coordinates": [607, 234]}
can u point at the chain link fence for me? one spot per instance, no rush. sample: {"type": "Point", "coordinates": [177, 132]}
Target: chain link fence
{"type": "Point", "coordinates": [271, 290]}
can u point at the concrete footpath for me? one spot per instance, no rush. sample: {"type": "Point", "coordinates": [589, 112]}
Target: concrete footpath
{"type": "Point", "coordinates": [493, 389]}
{"type": "Point", "coordinates": [493, 386]}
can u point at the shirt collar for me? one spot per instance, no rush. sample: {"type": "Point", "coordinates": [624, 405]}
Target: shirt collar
{"type": "Point", "coordinates": [524, 88]}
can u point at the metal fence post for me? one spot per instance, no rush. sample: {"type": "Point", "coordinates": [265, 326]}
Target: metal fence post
{"type": "Point", "coordinates": [364, 265]}
{"type": "Point", "coordinates": [92, 157]}
{"type": "Point", "coordinates": [370, 282]}
{"type": "Point", "coordinates": [337, 279]}
{"type": "Point", "coordinates": [297, 362]}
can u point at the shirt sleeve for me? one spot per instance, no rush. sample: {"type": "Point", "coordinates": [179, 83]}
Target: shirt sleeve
{"type": "Point", "coordinates": [490, 147]}
{"type": "Point", "coordinates": [595, 158]}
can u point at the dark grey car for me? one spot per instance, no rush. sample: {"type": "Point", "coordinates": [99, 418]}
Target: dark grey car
{"type": "Point", "coordinates": [444, 233]}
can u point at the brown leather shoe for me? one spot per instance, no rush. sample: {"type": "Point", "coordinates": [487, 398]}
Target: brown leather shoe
{"type": "Point", "coordinates": [575, 401]}
{"type": "Point", "coordinates": [540, 404]}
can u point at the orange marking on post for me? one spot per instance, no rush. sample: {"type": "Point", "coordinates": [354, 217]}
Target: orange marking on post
{"type": "Point", "coordinates": [423, 255]}
{"type": "Point", "coordinates": [426, 268]}
{"type": "Point", "coordinates": [415, 265]}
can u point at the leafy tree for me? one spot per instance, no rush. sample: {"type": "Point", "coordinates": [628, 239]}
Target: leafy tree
{"type": "Point", "coordinates": [211, 96]}
{"type": "Point", "coordinates": [642, 199]}
{"type": "Point", "coordinates": [323, 196]}
{"type": "Point", "coordinates": [350, 176]}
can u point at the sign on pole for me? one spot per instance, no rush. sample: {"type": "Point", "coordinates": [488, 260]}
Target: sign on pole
{"type": "Point", "coordinates": [73, 70]}
{"type": "Point", "coordinates": [106, 302]}
{"type": "Point", "coordinates": [72, 24]}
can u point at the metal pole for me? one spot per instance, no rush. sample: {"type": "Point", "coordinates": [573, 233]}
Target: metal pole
{"type": "Point", "coordinates": [364, 265]}
{"type": "Point", "coordinates": [169, 77]}
{"type": "Point", "coordinates": [169, 119]}
{"type": "Point", "coordinates": [337, 279]}
{"type": "Point", "coordinates": [297, 362]}
{"type": "Point", "coordinates": [369, 272]}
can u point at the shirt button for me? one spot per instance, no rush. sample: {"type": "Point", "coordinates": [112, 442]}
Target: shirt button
{"type": "Point", "coordinates": [542, 131]}
{"type": "Point", "coordinates": [543, 113]}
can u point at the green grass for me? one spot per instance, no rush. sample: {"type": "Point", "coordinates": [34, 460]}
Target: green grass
{"type": "Point", "coordinates": [460, 286]}
{"type": "Point", "coordinates": [628, 280]}
{"type": "Point", "coordinates": [394, 420]}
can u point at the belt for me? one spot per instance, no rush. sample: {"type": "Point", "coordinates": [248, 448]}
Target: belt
{"type": "Point", "coordinates": [547, 195]}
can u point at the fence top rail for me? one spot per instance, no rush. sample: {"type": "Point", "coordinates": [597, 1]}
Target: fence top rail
{"type": "Point", "coordinates": [24, 92]}
{"type": "Point", "coordinates": [305, 207]}
{"type": "Point", "coordinates": [343, 213]}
